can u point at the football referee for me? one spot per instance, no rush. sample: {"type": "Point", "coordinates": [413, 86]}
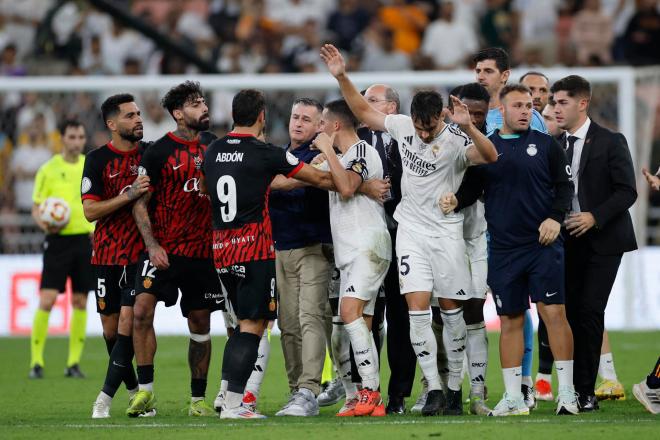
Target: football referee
{"type": "Point", "coordinates": [67, 249]}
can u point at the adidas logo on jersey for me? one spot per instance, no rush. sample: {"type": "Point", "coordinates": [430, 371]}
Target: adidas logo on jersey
{"type": "Point", "coordinates": [408, 139]}
{"type": "Point", "coordinates": [461, 293]}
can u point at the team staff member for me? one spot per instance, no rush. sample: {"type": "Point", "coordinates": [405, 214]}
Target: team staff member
{"type": "Point", "coordinates": [67, 250]}
{"type": "Point", "coordinates": [599, 229]}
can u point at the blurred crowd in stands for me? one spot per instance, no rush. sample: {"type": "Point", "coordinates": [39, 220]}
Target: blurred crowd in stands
{"type": "Point", "coordinates": [52, 37]}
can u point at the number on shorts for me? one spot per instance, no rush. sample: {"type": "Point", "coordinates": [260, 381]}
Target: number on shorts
{"type": "Point", "coordinates": [226, 189]}
{"type": "Point", "coordinates": [100, 291]}
{"type": "Point", "coordinates": [148, 269]}
{"type": "Point", "coordinates": [272, 287]}
{"type": "Point", "coordinates": [404, 267]}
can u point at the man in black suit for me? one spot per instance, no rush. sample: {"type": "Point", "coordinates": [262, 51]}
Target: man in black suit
{"type": "Point", "coordinates": [599, 229]}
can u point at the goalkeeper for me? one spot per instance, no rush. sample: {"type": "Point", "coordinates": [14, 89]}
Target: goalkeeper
{"type": "Point", "coordinates": [67, 249]}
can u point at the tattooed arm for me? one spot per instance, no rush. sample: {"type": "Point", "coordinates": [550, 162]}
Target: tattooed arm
{"type": "Point", "coordinates": [157, 254]}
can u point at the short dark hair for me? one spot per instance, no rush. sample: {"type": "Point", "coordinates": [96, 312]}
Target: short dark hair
{"type": "Point", "coordinates": [74, 123]}
{"type": "Point", "coordinates": [496, 54]}
{"type": "Point", "coordinates": [515, 87]}
{"type": "Point", "coordinates": [573, 85]}
{"type": "Point", "coordinates": [180, 95]}
{"type": "Point", "coordinates": [425, 105]}
{"type": "Point", "coordinates": [308, 102]}
{"type": "Point", "coordinates": [246, 106]}
{"type": "Point", "coordinates": [551, 100]}
{"type": "Point", "coordinates": [534, 73]}
{"type": "Point", "coordinates": [110, 106]}
{"type": "Point", "coordinates": [474, 91]}
{"type": "Point", "coordinates": [341, 109]}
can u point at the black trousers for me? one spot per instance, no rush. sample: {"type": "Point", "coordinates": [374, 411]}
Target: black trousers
{"type": "Point", "coordinates": [589, 281]}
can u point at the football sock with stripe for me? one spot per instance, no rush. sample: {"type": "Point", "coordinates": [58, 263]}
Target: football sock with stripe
{"type": "Point", "coordinates": [38, 337]}
{"type": "Point", "coordinates": [425, 347]}
{"type": "Point", "coordinates": [120, 366]}
{"type": "Point", "coordinates": [454, 336]}
{"type": "Point", "coordinates": [364, 351]}
{"type": "Point", "coordinates": [341, 351]}
{"type": "Point", "coordinates": [477, 356]}
{"type": "Point", "coordinates": [237, 364]}
{"type": "Point", "coordinates": [257, 377]}
{"type": "Point", "coordinates": [528, 333]}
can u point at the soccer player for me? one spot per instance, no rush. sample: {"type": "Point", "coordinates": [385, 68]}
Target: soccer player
{"type": "Point", "coordinates": [67, 250]}
{"type": "Point", "coordinates": [492, 69]}
{"type": "Point", "coordinates": [238, 171]}
{"type": "Point", "coordinates": [110, 185]}
{"type": "Point", "coordinates": [540, 86]}
{"type": "Point", "coordinates": [434, 156]}
{"type": "Point", "coordinates": [174, 219]}
{"type": "Point", "coordinates": [527, 194]}
{"type": "Point", "coordinates": [647, 392]}
{"type": "Point", "coordinates": [362, 245]}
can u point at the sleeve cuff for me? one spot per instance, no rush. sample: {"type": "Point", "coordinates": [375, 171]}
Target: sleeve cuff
{"type": "Point", "coordinates": [294, 171]}
{"type": "Point", "coordinates": [558, 216]}
{"type": "Point", "coordinates": [91, 197]}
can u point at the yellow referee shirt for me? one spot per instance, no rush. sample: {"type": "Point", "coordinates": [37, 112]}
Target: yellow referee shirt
{"type": "Point", "coordinates": [59, 178]}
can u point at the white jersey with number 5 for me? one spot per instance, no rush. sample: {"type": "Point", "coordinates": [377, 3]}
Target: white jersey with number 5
{"type": "Point", "coordinates": [358, 223]}
{"type": "Point", "coordinates": [429, 171]}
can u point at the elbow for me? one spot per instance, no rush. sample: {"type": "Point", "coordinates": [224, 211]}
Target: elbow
{"type": "Point", "coordinates": [90, 217]}
{"type": "Point", "coordinates": [491, 157]}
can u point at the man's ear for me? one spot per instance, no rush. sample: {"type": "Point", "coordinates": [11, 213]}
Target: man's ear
{"type": "Point", "coordinates": [505, 75]}
{"type": "Point", "coordinates": [111, 125]}
{"type": "Point", "coordinates": [177, 114]}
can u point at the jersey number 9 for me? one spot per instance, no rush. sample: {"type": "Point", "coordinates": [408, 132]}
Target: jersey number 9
{"type": "Point", "coordinates": [226, 189]}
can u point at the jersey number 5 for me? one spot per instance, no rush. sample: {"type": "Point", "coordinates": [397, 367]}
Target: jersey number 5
{"type": "Point", "coordinates": [226, 189]}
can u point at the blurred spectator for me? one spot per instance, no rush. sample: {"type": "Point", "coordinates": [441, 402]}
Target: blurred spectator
{"type": "Point", "coordinates": [223, 17]}
{"type": "Point", "coordinates": [242, 57]}
{"type": "Point", "coordinates": [21, 19]}
{"type": "Point", "coordinates": [155, 120]}
{"type": "Point", "coordinates": [381, 53]}
{"type": "Point", "coordinates": [407, 22]}
{"type": "Point", "coordinates": [592, 35]}
{"type": "Point", "coordinates": [6, 150]}
{"type": "Point", "coordinates": [33, 150]}
{"type": "Point", "coordinates": [91, 58]}
{"type": "Point", "coordinates": [119, 44]}
{"type": "Point", "coordinates": [642, 37]}
{"type": "Point", "coordinates": [537, 21]}
{"type": "Point", "coordinates": [9, 66]}
{"type": "Point", "coordinates": [291, 15]}
{"type": "Point", "coordinates": [32, 106]}
{"type": "Point", "coordinates": [347, 22]}
{"type": "Point", "coordinates": [498, 25]}
{"type": "Point", "coordinates": [447, 41]}
{"type": "Point", "coordinates": [304, 55]}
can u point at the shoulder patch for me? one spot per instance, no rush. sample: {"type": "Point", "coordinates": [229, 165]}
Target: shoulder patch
{"type": "Point", "coordinates": [86, 185]}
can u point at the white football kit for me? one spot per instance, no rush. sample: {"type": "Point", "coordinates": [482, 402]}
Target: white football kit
{"type": "Point", "coordinates": [474, 232]}
{"type": "Point", "coordinates": [362, 244]}
{"type": "Point", "coordinates": [431, 251]}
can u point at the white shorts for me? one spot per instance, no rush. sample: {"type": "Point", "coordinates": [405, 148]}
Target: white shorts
{"type": "Point", "coordinates": [477, 250]}
{"type": "Point", "coordinates": [433, 264]}
{"type": "Point", "coordinates": [362, 278]}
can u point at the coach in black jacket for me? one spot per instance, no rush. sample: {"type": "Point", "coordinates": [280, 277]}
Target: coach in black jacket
{"type": "Point", "coordinates": [598, 230]}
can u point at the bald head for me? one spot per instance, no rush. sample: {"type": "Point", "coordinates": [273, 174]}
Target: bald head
{"type": "Point", "coordinates": [383, 98]}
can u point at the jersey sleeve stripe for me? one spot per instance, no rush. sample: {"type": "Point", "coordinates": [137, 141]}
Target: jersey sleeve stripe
{"type": "Point", "coordinates": [91, 197]}
{"type": "Point", "coordinates": [294, 171]}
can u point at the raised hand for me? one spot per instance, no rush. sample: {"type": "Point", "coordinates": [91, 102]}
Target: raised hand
{"type": "Point", "coordinates": [654, 181]}
{"type": "Point", "coordinates": [459, 114]}
{"type": "Point", "coordinates": [324, 143]}
{"type": "Point", "coordinates": [333, 59]}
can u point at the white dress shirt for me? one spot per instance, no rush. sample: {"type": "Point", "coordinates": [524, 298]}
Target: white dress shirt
{"type": "Point", "coordinates": [581, 134]}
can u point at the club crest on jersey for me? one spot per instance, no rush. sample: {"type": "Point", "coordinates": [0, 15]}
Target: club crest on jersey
{"type": "Point", "coordinates": [531, 149]}
{"type": "Point", "coordinates": [101, 303]}
{"type": "Point", "coordinates": [133, 169]}
{"type": "Point", "coordinates": [146, 283]}
{"type": "Point", "coordinates": [198, 162]}
{"type": "Point", "coordinates": [435, 149]}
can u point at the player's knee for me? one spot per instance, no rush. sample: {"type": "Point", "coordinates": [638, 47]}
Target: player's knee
{"type": "Point", "coordinates": [142, 316]}
{"type": "Point", "coordinates": [512, 323]}
{"type": "Point", "coordinates": [79, 301]}
{"type": "Point", "coordinates": [109, 334]}
{"type": "Point", "coordinates": [553, 315]}
{"type": "Point", "coordinates": [47, 299]}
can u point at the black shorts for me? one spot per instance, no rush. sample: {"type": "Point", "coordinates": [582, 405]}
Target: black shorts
{"type": "Point", "coordinates": [251, 289]}
{"type": "Point", "coordinates": [196, 278]}
{"type": "Point", "coordinates": [516, 275]}
{"type": "Point", "coordinates": [68, 256]}
{"type": "Point", "coordinates": [115, 287]}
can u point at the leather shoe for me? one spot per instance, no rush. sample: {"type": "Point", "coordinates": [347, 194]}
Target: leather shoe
{"type": "Point", "coordinates": [395, 405]}
{"type": "Point", "coordinates": [588, 403]}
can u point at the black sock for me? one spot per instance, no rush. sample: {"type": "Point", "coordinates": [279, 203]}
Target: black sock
{"type": "Point", "coordinates": [198, 387]}
{"type": "Point", "coordinates": [109, 344]}
{"type": "Point", "coordinates": [653, 379]}
{"type": "Point", "coordinates": [145, 374]}
{"type": "Point", "coordinates": [238, 360]}
{"type": "Point", "coordinates": [545, 353]}
{"type": "Point", "coordinates": [120, 366]}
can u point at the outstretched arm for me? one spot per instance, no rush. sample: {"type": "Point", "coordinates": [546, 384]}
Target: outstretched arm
{"type": "Point", "coordinates": [359, 106]}
{"type": "Point", "coordinates": [96, 209]}
{"type": "Point", "coordinates": [482, 151]}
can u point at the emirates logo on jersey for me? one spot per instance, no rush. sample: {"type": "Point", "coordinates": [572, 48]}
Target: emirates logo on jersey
{"type": "Point", "coordinates": [198, 162]}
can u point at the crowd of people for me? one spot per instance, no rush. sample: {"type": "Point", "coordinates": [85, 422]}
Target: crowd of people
{"type": "Point", "coordinates": [367, 216]}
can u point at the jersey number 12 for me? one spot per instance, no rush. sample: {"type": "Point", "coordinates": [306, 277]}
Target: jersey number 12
{"type": "Point", "coordinates": [226, 189]}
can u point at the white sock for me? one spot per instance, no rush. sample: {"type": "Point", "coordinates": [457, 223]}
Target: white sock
{"type": "Point", "coordinates": [341, 351]}
{"type": "Point", "coordinates": [441, 357]}
{"type": "Point", "coordinates": [606, 367]}
{"type": "Point", "coordinates": [146, 387]}
{"type": "Point", "coordinates": [363, 351]}
{"type": "Point", "coordinates": [425, 347]}
{"type": "Point", "coordinates": [223, 386]}
{"type": "Point", "coordinates": [454, 336]}
{"type": "Point", "coordinates": [133, 391]}
{"type": "Point", "coordinates": [259, 371]}
{"type": "Point", "coordinates": [513, 381]}
{"type": "Point", "coordinates": [546, 377]}
{"type": "Point", "coordinates": [564, 374]}
{"type": "Point", "coordinates": [233, 400]}
{"type": "Point", "coordinates": [527, 380]}
{"type": "Point", "coordinates": [104, 397]}
{"type": "Point", "coordinates": [477, 356]}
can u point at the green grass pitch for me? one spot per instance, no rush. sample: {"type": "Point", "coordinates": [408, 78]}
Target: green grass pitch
{"type": "Point", "coordinates": [60, 408]}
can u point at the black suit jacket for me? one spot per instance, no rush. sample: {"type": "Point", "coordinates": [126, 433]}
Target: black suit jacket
{"type": "Point", "coordinates": [606, 189]}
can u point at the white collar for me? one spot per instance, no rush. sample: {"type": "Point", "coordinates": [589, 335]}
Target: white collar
{"type": "Point", "coordinates": [581, 133]}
